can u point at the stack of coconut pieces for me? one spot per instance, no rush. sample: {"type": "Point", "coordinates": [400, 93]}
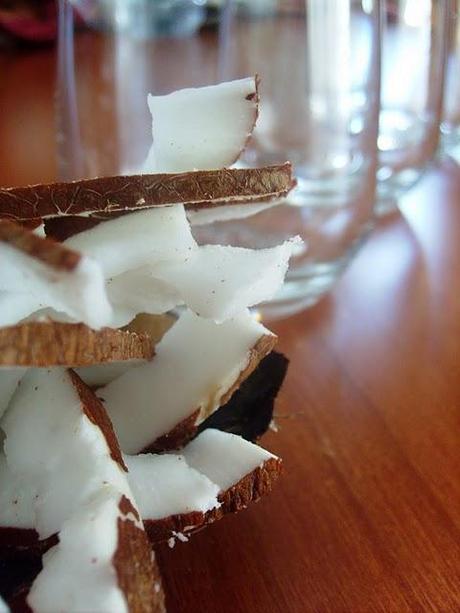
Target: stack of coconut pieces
{"type": "Point", "coordinates": [109, 438]}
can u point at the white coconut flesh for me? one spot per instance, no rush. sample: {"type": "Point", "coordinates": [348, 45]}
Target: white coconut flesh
{"type": "Point", "coordinates": [127, 242]}
{"type": "Point", "coordinates": [214, 281]}
{"type": "Point", "coordinates": [165, 485]}
{"type": "Point", "coordinates": [3, 606]}
{"type": "Point", "coordinates": [9, 379]}
{"type": "Point", "coordinates": [218, 282]}
{"type": "Point", "coordinates": [98, 375]}
{"type": "Point", "coordinates": [51, 442]}
{"type": "Point", "coordinates": [16, 499]}
{"type": "Point", "coordinates": [173, 484]}
{"type": "Point", "coordinates": [80, 293]}
{"type": "Point", "coordinates": [228, 212]}
{"type": "Point", "coordinates": [137, 291]}
{"type": "Point", "coordinates": [204, 128]}
{"type": "Point", "coordinates": [162, 485]}
{"type": "Point", "coordinates": [223, 457]}
{"type": "Point", "coordinates": [196, 363]}
{"type": "Point", "coordinates": [78, 574]}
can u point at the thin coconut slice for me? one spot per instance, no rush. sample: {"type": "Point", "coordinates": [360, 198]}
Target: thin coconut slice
{"type": "Point", "coordinates": [214, 281]}
{"type": "Point", "coordinates": [202, 128]}
{"type": "Point", "coordinates": [9, 379]}
{"type": "Point", "coordinates": [98, 375]}
{"type": "Point", "coordinates": [59, 437]}
{"type": "Point", "coordinates": [198, 365]}
{"type": "Point", "coordinates": [130, 241]}
{"type": "Point", "coordinates": [217, 282]}
{"type": "Point", "coordinates": [114, 195]}
{"type": "Point", "coordinates": [216, 473]}
{"type": "Point", "coordinates": [138, 291]}
{"type": "Point", "coordinates": [103, 562]}
{"type": "Point", "coordinates": [51, 274]}
{"type": "Point", "coordinates": [3, 606]}
{"type": "Point", "coordinates": [61, 344]}
{"type": "Point", "coordinates": [206, 216]}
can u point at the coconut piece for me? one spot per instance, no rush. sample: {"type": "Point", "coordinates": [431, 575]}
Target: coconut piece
{"type": "Point", "coordinates": [51, 275]}
{"type": "Point", "coordinates": [215, 474]}
{"type": "Point", "coordinates": [202, 128]}
{"type": "Point", "coordinates": [60, 442]}
{"type": "Point", "coordinates": [114, 195]}
{"type": "Point", "coordinates": [198, 365]}
{"type": "Point", "coordinates": [61, 228]}
{"type": "Point", "coordinates": [137, 291]}
{"type": "Point", "coordinates": [103, 562]}
{"type": "Point", "coordinates": [61, 344]}
{"type": "Point", "coordinates": [249, 411]}
{"type": "Point", "coordinates": [217, 282]}
{"type": "Point", "coordinates": [206, 216]}
{"type": "Point", "coordinates": [128, 242]}
{"type": "Point", "coordinates": [58, 420]}
{"type": "Point", "coordinates": [214, 281]}
{"type": "Point", "coordinates": [98, 375]}
{"type": "Point", "coordinates": [9, 379]}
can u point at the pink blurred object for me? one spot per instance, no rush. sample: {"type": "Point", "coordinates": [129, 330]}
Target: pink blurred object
{"type": "Point", "coordinates": [30, 21]}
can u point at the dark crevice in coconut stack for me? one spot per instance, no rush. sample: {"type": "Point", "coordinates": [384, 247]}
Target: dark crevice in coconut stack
{"type": "Point", "coordinates": [132, 371]}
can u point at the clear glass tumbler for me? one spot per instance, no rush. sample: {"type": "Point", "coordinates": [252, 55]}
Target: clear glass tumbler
{"type": "Point", "coordinates": [111, 55]}
{"type": "Point", "coordinates": [413, 67]}
{"type": "Point", "coordinates": [450, 125]}
{"type": "Point", "coordinates": [319, 64]}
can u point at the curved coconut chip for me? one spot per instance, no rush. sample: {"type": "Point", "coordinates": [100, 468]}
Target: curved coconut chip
{"type": "Point", "coordinates": [164, 414]}
{"type": "Point", "coordinates": [37, 273]}
{"type": "Point", "coordinates": [114, 195]}
{"type": "Point", "coordinates": [202, 128]}
{"type": "Point", "coordinates": [243, 473]}
{"type": "Point", "coordinates": [43, 344]}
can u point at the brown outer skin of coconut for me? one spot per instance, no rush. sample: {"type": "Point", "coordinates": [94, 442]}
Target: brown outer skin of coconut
{"type": "Point", "coordinates": [186, 429]}
{"type": "Point", "coordinates": [46, 251]}
{"type": "Point", "coordinates": [43, 344]}
{"type": "Point", "coordinates": [249, 489]}
{"type": "Point", "coordinates": [112, 195]}
{"type": "Point", "coordinates": [135, 566]}
{"type": "Point", "coordinates": [16, 542]}
{"type": "Point", "coordinates": [94, 410]}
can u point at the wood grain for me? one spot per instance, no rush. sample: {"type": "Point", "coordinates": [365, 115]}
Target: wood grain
{"type": "Point", "coordinates": [367, 514]}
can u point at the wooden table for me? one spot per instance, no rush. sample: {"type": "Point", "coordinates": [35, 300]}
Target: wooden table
{"type": "Point", "coordinates": [367, 515]}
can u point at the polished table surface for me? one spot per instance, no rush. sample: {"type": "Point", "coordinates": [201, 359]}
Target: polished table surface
{"type": "Point", "coordinates": [367, 514]}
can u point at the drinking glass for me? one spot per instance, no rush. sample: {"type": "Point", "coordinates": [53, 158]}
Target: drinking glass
{"type": "Point", "coordinates": [319, 65]}
{"type": "Point", "coordinates": [111, 55]}
{"type": "Point", "coordinates": [450, 124]}
{"type": "Point", "coordinates": [413, 67]}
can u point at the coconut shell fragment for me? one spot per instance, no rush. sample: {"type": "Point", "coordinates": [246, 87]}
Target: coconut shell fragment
{"type": "Point", "coordinates": [63, 344]}
{"type": "Point", "coordinates": [249, 411]}
{"type": "Point", "coordinates": [111, 196]}
{"type": "Point", "coordinates": [46, 251]}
